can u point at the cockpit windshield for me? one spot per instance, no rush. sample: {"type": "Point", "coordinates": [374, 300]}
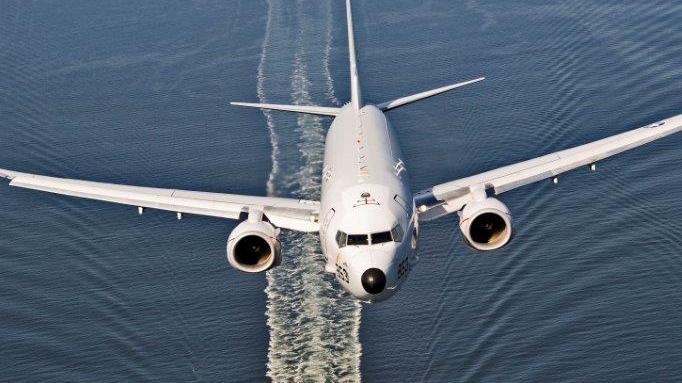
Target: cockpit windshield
{"type": "Point", "coordinates": [357, 239]}
{"type": "Point", "coordinates": [383, 237]}
{"type": "Point", "coordinates": [395, 235]}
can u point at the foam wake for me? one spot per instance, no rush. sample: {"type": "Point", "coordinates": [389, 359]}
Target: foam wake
{"type": "Point", "coordinates": [313, 323]}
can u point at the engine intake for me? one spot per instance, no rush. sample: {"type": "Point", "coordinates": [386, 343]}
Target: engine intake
{"type": "Point", "coordinates": [486, 224]}
{"type": "Point", "coordinates": [253, 247]}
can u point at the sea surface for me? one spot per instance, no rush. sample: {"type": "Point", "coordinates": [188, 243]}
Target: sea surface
{"type": "Point", "coordinates": [589, 290]}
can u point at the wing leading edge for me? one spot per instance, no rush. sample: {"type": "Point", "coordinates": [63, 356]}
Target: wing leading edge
{"type": "Point", "coordinates": [451, 196]}
{"type": "Point", "coordinates": [293, 214]}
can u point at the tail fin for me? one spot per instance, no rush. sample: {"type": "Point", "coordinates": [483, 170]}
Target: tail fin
{"type": "Point", "coordinates": [356, 94]}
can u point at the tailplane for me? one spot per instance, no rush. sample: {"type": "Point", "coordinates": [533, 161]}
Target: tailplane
{"type": "Point", "coordinates": [308, 109]}
{"type": "Point", "coordinates": [420, 96]}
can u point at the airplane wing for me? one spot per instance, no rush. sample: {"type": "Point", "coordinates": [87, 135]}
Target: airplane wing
{"type": "Point", "coordinates": [452, 196]}
{"type": "Point", "coordinates": [293, 214]}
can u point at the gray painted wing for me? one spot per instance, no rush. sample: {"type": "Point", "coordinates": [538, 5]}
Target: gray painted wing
{"type": "Point", "coordinates": [452, 196]}
{"type": "Point", "coordinates": [287, 213]}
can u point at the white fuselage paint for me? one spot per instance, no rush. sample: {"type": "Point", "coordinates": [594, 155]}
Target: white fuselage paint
{"type": "Point", "coordinates": [362, 155]}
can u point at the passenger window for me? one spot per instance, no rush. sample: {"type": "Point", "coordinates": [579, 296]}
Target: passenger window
{"type": "Point", "coordinates": [382, 237]}
{"type": "Point", "coordinates": [397, 233]}
{"type": "Point", "coordinates": [357, 240]}
{"type": "Point", "coordinates": [341, 238]}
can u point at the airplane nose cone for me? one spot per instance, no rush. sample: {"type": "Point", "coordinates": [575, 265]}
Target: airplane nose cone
{"type": "Point", "coordinates": [374, 281]}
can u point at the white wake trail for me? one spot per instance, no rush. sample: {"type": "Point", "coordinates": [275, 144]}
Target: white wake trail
{"type": "Point", "coordinates": [260, 90]}
{"type": "Point", "coordinates": [313, 323]}
{"type": "Point", "coordinates": [331, 93]}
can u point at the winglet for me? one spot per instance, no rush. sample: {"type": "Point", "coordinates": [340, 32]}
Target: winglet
{"type": "Point", "coordinates": [420, 96]}
{"type": "Point", "coordinates": [4, 173]}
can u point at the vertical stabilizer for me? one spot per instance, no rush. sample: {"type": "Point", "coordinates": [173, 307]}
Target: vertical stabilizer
{"type": "Point", "coordinates": [356, 94]}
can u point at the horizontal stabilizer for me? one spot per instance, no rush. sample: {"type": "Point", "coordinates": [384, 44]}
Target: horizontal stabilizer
{"type": "Point", "coordinates": [318, 110]}
{"type": "Point", "coordinates": [420, 96]}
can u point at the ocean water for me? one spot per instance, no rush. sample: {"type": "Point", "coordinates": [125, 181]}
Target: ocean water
{"type": "Point", "coordinates": [137, 92]}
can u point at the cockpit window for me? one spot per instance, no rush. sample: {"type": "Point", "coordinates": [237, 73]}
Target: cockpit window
{"type": "Point", "coordinates": [357, 239]}
{"type": "Point", "coordinates": [398, 233]}
{"type": "Point", "coordinates": [341, 238]}
{"type": "Point", "coordinates": [382, 237]}
{"type": "Point", "coordinates": [395, 235]}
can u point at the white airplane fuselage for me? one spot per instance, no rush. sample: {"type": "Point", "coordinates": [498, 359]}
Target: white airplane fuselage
{"type": "Point", "coordinates": [366, 195]}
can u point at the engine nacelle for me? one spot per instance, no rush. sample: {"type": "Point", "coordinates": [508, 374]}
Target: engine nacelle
{"type": "Point", "coordinates": [486, 224]}
{"type": "Point", "coordinates": [254, 247]}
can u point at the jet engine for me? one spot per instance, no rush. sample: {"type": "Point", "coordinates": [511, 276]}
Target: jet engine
{"type": "Point", "coordinates": [486, 224]}
{"type": "Point", "coordinates": [254, 247]}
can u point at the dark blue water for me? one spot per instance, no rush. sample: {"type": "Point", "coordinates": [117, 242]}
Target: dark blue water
{"type": "Point", "coordinates": [589, 290]}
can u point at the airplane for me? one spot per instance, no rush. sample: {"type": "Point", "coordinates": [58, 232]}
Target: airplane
{"type": "Point", "coordinates": [367, 218]}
